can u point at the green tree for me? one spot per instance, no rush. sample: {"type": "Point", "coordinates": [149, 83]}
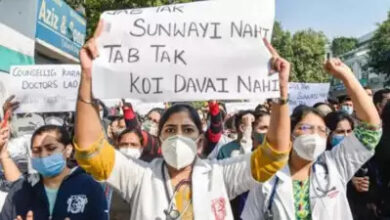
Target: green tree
{"type": "Point", "coordinates": [341, 45]}
{"type": "Point", "coordinates": [281, 41]}
{"type": "Point", "coordinates": [380, 49]}
{"type": "Point", "coordinates": [308, 57]}
{"type": "Point", "coordinates": [93, 8]}
{"type": "Point", "coordinates": [305, 50]}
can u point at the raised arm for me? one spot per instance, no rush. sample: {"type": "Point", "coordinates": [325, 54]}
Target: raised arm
{"type": "Point", "coordinates": [87, 126]}
{"type": "Point", "coordinates": [11, 171]}
{"type": "Point", "coordinates": [363, 105]}
{"type": "Point", "coordinates": [273, 154]}
{"type": "Point", "coordinates": [214, 132]}
{"type": "Point", "coordinates": [356, 149]}
{"type": "Point", "coordinates": [278, 135]}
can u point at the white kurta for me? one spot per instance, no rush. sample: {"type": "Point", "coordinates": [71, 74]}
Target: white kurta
{"type": "Point", "coordinates": [214, 183]}
{"type": "Point", "coordinates": [328, 182]}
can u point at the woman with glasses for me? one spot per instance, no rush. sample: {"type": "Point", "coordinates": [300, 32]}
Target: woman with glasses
{"type": "Point", "coordinates": [313, 184]}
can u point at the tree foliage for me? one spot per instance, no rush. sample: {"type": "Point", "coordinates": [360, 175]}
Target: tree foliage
{"type": "Point", "coordinates": [380, 48]}
{"type": "Point", "coordinates": [305, 50]}
{"type": "Point", "coordinates": [341, 45]}
{"type": "Point", "coordinates": [93, 8]}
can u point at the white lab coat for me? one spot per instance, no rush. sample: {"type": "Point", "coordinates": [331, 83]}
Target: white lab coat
{"type": "Point", "coordinates": [334, 167]}
{"type": "Point", "coordinates": [214, 183]}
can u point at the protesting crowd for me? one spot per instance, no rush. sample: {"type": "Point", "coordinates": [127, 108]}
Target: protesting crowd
{"type": "Point", "coordinates": [326, 161]}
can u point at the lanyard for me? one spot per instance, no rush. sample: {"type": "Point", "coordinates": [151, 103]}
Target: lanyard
{"type": "Point", "coordinates": [269, 215]}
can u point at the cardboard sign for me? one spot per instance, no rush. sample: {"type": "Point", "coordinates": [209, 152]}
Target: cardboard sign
{"type": "Point", "coordinates": [194, 51]}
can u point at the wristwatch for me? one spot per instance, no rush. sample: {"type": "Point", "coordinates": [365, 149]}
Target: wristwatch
{"type": "Point", "coordinates": [280, 101]}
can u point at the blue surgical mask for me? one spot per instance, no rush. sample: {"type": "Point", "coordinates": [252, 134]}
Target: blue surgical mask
{"type": "Point", "coordinates": [336, 140]}
{"type": "Point", "coordinates": [347, 109]}
{"type": "Point", "coordinates": [49, 166]}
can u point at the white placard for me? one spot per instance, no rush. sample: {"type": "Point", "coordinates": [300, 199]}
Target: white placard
{"type": "Point", "coordinates": [194, 51]}
{"type": "Point", "coordinates": [307, 94]}
{"type": "Point", "coordinates": [45, 88]}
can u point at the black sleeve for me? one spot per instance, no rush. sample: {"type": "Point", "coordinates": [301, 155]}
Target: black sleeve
{"type": "Point", "coordinates": [97, 203]}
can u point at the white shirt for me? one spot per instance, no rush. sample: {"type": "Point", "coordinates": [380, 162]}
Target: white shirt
{"type": "Point", "coordinates": [214, 184]}
{"type": "Point", "coordinates": [328, 183]}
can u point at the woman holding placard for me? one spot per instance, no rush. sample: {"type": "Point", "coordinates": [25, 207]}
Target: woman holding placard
{"type": "Point", "coordinates": [180, 185]}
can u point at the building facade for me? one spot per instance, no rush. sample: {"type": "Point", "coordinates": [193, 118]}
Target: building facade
{"type": "Point", "coordinates": [357, 60]}
{"type": "Point", "coordinates": [39, 32]}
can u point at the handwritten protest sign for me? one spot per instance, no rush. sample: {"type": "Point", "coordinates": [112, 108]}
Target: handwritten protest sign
{"type": "Point", "coordinates": [195, 51]}
{"type": "Point", "coordinates": [307, 94]}
{"type": "Point", "coordinates": [45, 88]}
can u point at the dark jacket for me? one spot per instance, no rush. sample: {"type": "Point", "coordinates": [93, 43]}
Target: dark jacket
{"type": "Point", "coordinates": [79, 197]}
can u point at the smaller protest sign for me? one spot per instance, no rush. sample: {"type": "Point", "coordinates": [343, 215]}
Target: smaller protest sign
{"type": "Point", "coordinates": [307, 94]}
{"type": "Point", "coordinates": [45, 88]}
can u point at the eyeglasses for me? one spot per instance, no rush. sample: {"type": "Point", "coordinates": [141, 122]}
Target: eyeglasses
{"type": "Point", "coordinates": [311, 129]}
{"type": "Point", "coordinates": [342, 131]}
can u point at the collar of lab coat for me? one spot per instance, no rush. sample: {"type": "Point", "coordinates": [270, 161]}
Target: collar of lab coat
{"type": "Point", "coordinates": [284, 191]}
{"type": "Point", "coordinates": [200, 187]}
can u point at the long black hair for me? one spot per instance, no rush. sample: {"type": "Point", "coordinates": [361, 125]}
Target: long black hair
{"type": "Point", "coordinates": [180, 108]}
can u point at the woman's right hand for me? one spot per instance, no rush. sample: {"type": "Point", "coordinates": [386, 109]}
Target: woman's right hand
{"type": "Point", "coordinates": [89, 51]}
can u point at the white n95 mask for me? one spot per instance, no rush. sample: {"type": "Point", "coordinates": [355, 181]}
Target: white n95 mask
{"type": "Point", "coordinates": [131, 152]}
{"type": "Point", "coordinates": [179, 151]}
{"type": "Point", "coordinates": [309, 146]}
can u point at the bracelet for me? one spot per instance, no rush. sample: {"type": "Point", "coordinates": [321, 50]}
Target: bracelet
{"type": "Point", "coordinates": [92, 102]}
{"type": "Point", "coordinates": [280, 101]}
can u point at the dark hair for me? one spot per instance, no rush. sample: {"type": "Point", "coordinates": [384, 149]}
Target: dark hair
{"type": "Point", "coordinates": [133, 130]}
{"type": "Point", "coordinates": [333, 118]}
{"type": "Point", "coordinates": [379, 95]}
{"type": "Point", "coordinates": [386, 117]}
{"type": "Point", "coordinates": [344, 99]}
{"type": "Point", "coordinates": [230, 122]}
{"type": "Point", "coordinates": [61, 133]}
{"type": "Point", "coordinates": [239, 116]}
{"type": "Point", "coordinates": [258, 115]}
{"type": "Point", "coordinates": [158, 110]}
{"type": "Point", "coordinates": [180, 108]}
{"type": "Point", "coordinates": [300, 112]}
{"type": "Point", "coordinates": [260, 107]}
{"type": "Point", "coordinates": [333, 101]}
{"type": "Point", "coordinates": [323, 103]}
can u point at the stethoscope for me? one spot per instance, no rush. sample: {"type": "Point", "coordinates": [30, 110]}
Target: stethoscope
{"type": "Point", "coordinates": [269, 215]}
{"type": "Point", "coordinates": [171, 213]}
